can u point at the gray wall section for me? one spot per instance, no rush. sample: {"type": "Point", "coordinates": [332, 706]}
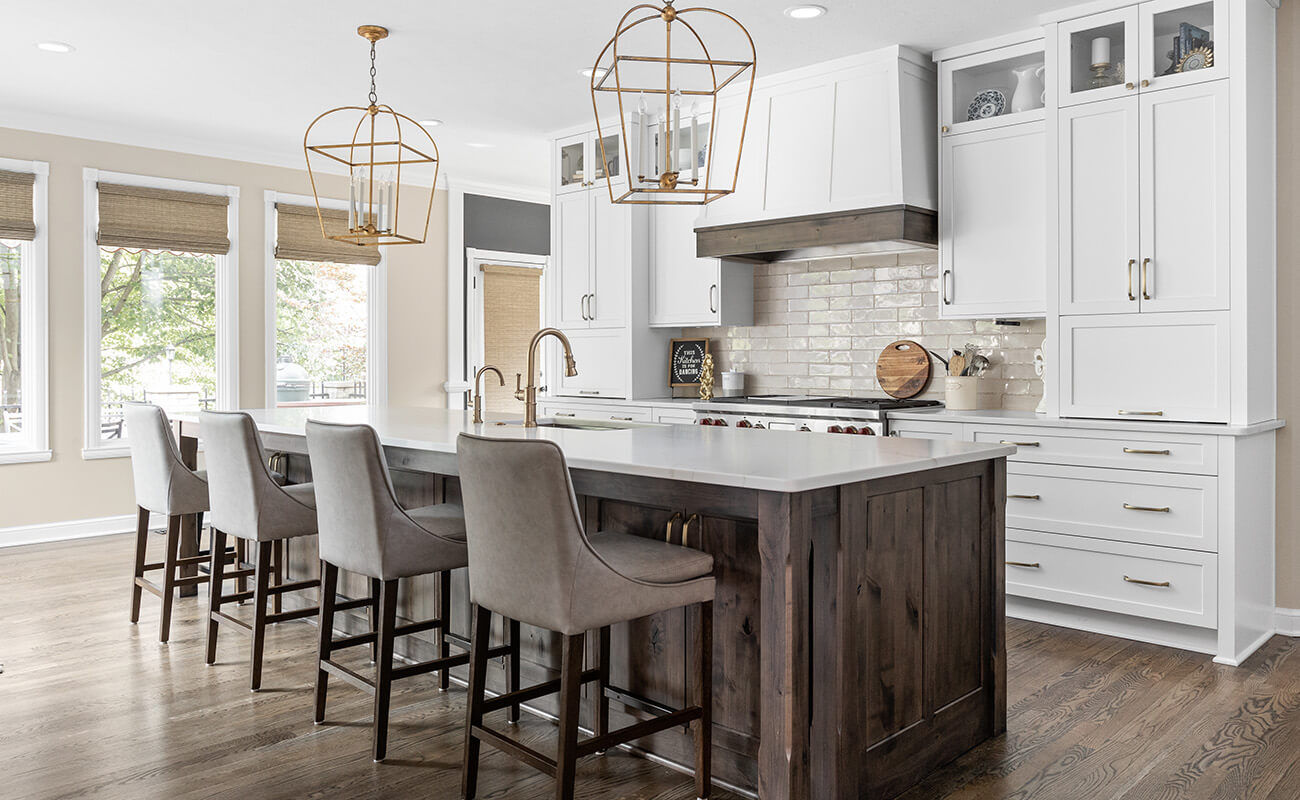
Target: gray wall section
{"type": "Point", "coordinates": [493, 223]}
{"type": "Point", "coordinates": [511, 226]}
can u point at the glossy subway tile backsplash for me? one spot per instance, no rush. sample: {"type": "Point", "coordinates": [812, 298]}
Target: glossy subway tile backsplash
{"type": "Point", "coordinates": [819, 326]}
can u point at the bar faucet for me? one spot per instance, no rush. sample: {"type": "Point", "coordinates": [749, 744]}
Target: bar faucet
{"type": "Point", "coordinates": [478, 392]}
{"type": "Point", "coordinates": [529, 393]}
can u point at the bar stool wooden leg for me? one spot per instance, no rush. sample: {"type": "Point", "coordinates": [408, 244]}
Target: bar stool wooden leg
{"type": "Point", "coordinates": [372, 613]}
{"type": "Point", "coordinates": [169, 576]}
{"type": "Point", "coordinates": [215, 579]}
{"type": "Point", "coordinates": [277, 575]}
{"type": "Point", "coordinates": [512, 677]}
{"type": "Point", "coordinates": [241, 558]}
{"type": "Point", "coordinates": [444, 614]}
{"type": "Point", "coordinates": [384, 665]}
{"type": "Point", "coordinates": [329, 577]}
{"type": "Point", "coordinates": [703, 685]}
{"type": "Point", "coordinates": [261, 585]}
{"type": "Point", "coordinates": [566, 762]}
{"type": "Point", "coordinates": [481, 628]}
{"type": "Point", "coordinates": [602, 700]}
{"type": "Point", "coordinates": [141, 545]}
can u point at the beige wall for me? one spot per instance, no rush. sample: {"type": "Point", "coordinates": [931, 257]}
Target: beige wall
{"type": "Point", "coordinates": [69, 488]}
{"type": "Point", "coordinates": [1288, 293]}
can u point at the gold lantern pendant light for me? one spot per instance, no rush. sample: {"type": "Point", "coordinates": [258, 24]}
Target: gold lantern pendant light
{"type": "Point", "coordinates": [653, 136]}
{"type": "Point", "coordinates": [382, 143]}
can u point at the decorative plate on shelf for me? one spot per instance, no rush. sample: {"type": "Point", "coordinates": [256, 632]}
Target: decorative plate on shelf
{"type": "Point", "coordinates": [988, 103]}
{"type": "Point", "coordinates": [1199, 58]}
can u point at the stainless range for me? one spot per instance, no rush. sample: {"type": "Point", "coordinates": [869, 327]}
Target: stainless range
{"type": "Point", "coordinates": [864, 416]}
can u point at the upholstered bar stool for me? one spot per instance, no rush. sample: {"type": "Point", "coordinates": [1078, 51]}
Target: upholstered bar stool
{"type": "Point", "coordinates": [249, 503]}
{"type": "Point", "coordinates": [363, 529]}
{"type": "Point", "coordinates": [163, 485]}
{"type": "Point", "coordinates": [530, 559]}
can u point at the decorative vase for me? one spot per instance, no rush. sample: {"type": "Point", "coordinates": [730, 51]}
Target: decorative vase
{"type": "Point", "coordinates": [1030, 93]}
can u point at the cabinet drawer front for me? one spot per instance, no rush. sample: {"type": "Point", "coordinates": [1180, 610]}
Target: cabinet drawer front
{"type": "Point", "coordinates": [1138, 451]}
{"type": "Point", "coordinates": [1152, 367]}
{"type": "Point", "coordinates": [1140, 507]}
{"type": "Point", "coordinates": [602, 361]}
{"type": "Point", "coordinates": [597, 412]}
{"type": "Point", "coordinates": [1110, 576]}
{"type": "Point", "coordinates": [920, 429]}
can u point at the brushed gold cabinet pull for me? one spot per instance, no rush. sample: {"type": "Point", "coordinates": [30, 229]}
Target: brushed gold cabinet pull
{"type": "Point", "coordinates": [686, 529]}
{"type": "Point", "coordinates": [1145, 83]}
{"type": "Point", "coordinates": [1161, 584]}
{"type": "Point", "coordinates": [1132, 262]}
{"type": "Point", "coordinates": [1135, 451]}
{"type": "Point", "coordinates": [1021, 444]}
{"type": "Point", "coordinates": [944, 129]}
{"type": "Point", "coordinates": [1141, 413]}
{"type": "Point", "coordinates": [564, 414]}
{"type": "Point", "coordinates": [668, 531]}
{"type": "Point", "coordinates": [1034, 565]}
{"type": "Point", "coordinates": [1164, 510]}
{"type": "Point", "coordinates": [1024, 497]}
{"type": "Point", "coordinates": [1146, 291]}
{"type": "Point", "coordinates": [621, 419]}
{"type": "Point", "coordinates": [1128, 86]}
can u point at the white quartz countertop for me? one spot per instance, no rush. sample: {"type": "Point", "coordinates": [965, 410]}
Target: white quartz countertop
{"type": "Point", "coordinates": [1004, 417]}
{"type": "Point", "coordinates": [778, 461]}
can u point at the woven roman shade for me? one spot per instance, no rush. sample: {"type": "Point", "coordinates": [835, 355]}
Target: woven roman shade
{"type": "Point", "coordinates": [298, 237]}
{"type": "Point", "coordinates": [511, 310]}
{"type": "Point", "coordinates": [16, 218]}
{"type": "Point", "coordinates": [141, 218]}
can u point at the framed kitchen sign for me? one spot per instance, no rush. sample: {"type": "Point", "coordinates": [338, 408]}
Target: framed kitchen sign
{"type": "Point", "coordinates": [686, 361]}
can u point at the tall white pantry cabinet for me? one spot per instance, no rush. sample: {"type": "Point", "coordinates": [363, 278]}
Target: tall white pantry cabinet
{"type": "Point", "coordinates": [1159, 246]}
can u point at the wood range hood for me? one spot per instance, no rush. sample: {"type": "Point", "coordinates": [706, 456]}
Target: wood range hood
{"type": "Point", "coordinates": [881, 229]}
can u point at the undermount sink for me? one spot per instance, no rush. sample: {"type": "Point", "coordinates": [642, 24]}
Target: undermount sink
{"type": "Point", "coordinates": [583, 424]}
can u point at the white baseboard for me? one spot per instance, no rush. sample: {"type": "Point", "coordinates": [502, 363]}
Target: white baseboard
{"type": "Point", "coordinates": [1286, 621]}
{"type": "Point", "coordinates": [72, 529]}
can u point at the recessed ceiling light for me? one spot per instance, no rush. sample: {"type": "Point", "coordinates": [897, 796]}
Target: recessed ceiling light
{"type": "Point", "coordinates": [55, 47]}
{"type": "Point", "coordinates": [587, 73]}
{"type": "Point", "coordinates": [805, 12]}
{"type": "Point", "coordinates": [479, 145]}
{"type": "Point", "coordinates": [430, 123]}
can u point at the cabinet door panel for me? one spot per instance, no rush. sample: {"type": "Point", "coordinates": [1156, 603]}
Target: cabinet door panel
{"type": "Point", "coordinates": [1077, 81]}
{"type": "Point", "coordinates": [680, 282]}
{"type": "Point", "coordinates": [1099, 211]}
{"type": "Point", "coordinates": [570, 164]}
{"type": "Point", "coordinates": [573, 259]}
{"type": "Point", "coordinates": [864, 152]}
{"type": "Point", "coordinates": [611, 255]}
{"type": "Point", "coordinates": [799, 149]}
{"type": "Point", "coordinates": [601, 358]}
{"type": "Point", "coordinates": [1184, 188]}
{"type": "Point", "coordinates": [1153, 367]}
{"type": "Point", "coordinates": [726, 154]}
{"type": "Point", "coordinates": [992, 222]}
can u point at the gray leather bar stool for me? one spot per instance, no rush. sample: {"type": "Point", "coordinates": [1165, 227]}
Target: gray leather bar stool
{"type": "Point", "coordinates": [163, 485]}
{"type": "Point", "coordinates": [363, 529]}
{"type": "Point", "coordinates": [249, 503]}
{"type": "Point", "coordinates": [531, 559]}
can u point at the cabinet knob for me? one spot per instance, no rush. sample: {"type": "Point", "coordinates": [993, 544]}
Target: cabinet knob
{"type": "Point", "coordinates": [944, 129]}
{"type": "Point", "coordinates": [1129, 86]}
{"type": "Point", "coordinates": [1145, 83]}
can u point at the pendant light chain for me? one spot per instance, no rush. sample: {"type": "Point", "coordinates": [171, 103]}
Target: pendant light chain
{"type": "Point", "coordinates": [374, 98]}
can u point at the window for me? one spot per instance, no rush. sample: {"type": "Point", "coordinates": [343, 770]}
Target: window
{"type": "Point", "coordinates": [23, 331]}
{"type": "Point", "coordinates": [325, 310]}
{"type": "Point", "coordinates": [160, 317]}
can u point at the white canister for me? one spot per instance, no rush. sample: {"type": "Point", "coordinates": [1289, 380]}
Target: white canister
{"type": "Point", "coordinates": [733, 383]}
{"type": "Point", "coordinates": [962, 394]}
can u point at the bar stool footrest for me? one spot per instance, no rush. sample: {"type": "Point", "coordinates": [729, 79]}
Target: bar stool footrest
{"type": "Point", "coordinates": [532, 692]}
{"type": "Point", "coordinates": [637, 730]}
{"type": "Point", "coordinates": [528, 755]}
{"type": "Point", "coordinates": [292, 586]}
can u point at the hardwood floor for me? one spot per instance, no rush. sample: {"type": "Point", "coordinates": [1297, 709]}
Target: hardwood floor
{"type": "Point", "coordinates": [92, 706]}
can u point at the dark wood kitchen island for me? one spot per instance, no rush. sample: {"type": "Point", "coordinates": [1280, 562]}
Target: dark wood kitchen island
{"type": "Point", "coordinates": [858, 626]}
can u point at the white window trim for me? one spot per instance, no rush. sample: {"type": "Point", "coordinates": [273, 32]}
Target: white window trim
{"type": "Point", "coordinates": [227, 278]}
{"type": "Point", "coordinates": [376, 304]}
{"type": "Point", "coordinates": [459, 379]}
{"type": "Point", "coordinates": [35, 326]}
{"type": "Point", "coordinates": [477, 258]}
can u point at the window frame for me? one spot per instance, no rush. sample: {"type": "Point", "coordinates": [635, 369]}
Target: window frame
{"type": "Point", "coordinates": [376, 302]}
{"type": "Point", "coordinates": [227, 302]}
{"type": "Point", "coordinates": [34, 445]}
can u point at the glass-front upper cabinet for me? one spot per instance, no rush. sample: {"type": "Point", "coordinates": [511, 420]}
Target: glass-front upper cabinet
{"type": "Point", "coordinates": [1154, 45]}
{"type": "Point", "coordinates": [571, 158]}
{"type": "Point", "coordinates": [994, 88]}
{"type": "Point", "coordinates": [583, 162]}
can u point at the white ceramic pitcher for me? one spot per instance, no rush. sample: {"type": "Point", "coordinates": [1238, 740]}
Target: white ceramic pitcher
{"type": "Point", "coordinates": [1030, 92]}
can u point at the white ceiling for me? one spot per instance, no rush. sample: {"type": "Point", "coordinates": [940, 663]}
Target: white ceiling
{"type": "Point", "coordinates": [243, 78]}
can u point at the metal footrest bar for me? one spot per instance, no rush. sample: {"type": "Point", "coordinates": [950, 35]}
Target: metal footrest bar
{"type": "Point", "coordinates": [637, 730]}
{"type": "Point", "coordinates": [637, 701]}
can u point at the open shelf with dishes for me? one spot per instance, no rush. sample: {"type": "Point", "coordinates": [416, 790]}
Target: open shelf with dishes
{"type": "Point", "coordinates": [990, 89]}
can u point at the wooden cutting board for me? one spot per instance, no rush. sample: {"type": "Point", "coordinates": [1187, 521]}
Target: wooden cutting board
{"type": "Point", "coordinates": [903, 369]}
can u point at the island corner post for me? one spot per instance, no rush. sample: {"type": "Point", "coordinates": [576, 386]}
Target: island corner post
{"type": "Point", "coordinates": [859, 636]}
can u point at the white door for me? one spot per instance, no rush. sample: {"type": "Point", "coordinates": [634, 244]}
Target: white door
{"type": "Point", "coordinates": [1099, 207]}
{"type": "Point", "coordinates": [611, 262]}
{"type": "Point", "coordinates": [573, 259]}
{"type": "Point", "coordinates": [683, 288]}
{"type": "Point", "coordinates": [993, 221]}
{"type": "Point", "coordinates": [1153, 367]}
{"type": "Point", "coordinates": [1184, 195]}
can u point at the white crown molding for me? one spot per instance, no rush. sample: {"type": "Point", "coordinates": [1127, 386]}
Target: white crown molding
{"type": "Point", "coordinates": [73, 529]}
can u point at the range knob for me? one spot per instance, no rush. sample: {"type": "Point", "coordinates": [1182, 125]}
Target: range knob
{"type": "Point", "coordinates": [720, 422]}
{"type": "Point", "coordinates": [867, 431]}
{"type": "Point", "coordinates": [759, 425]}
{"type": "Point", "coordinates": [704, 421]}
{"type": "Point", "coordinates": [850, 429]}
{"type": "Point", "coordinates": [744, 423]}
{"type": "Point", "coordinates": [804, 428]}
{"type": "Point", "coordinates": [835, 429]}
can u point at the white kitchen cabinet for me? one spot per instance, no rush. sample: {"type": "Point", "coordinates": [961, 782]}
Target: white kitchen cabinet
{"type": "Point", "coordinates": [1143, 40]}
{"type": "Point", "coordinates": [965, 77]}
{"type": "Point", "coordinates": [993, 222]}
{"type": "Point", "coordinates": [581, 163]}
{"type": "Point", "coordinates": [1144, 202]}
{"type": "Point", "coordinates": [572, 264]}
{"type": "Point", "coordinates": [591, 264]}
{"type": "Point", "coordinates": [1171, 366]}
{"type": "Point", "coordinates": [601, 358]}
{"type": "Point", "coordinates": [686, 290]}
{"type": "Point", "coordinates": [924, 429]}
